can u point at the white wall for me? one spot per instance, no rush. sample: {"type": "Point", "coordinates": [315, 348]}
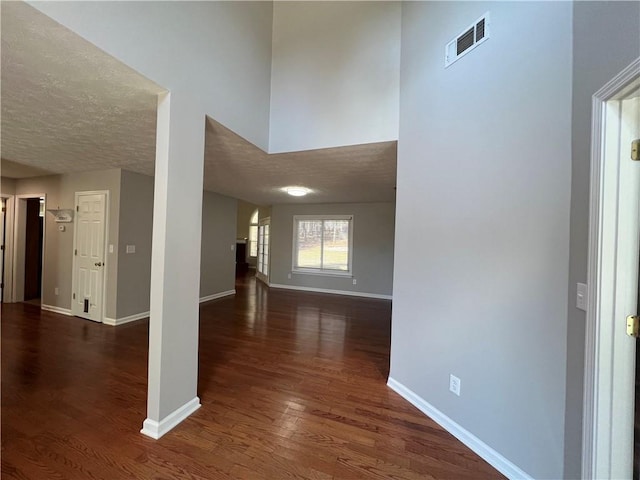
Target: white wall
{"type": "Point", "coordinates": [605, 41]}
{"type": "Point", "coordinates": [484, 160]}
{"type": "Point", "coordinates": [372, 261]}
{"type": "Point", "coordinates": [334, 78]}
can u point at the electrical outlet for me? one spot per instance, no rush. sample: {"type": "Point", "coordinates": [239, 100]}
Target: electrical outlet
{"type": "Point", "coordinates": [233, 247]}
{"type": "Point", "coordinates": [130, 249]}
{"type": "Point", "coordinates": [289, 276]}
{"type": "Point", "coordinates": [355, 281]}
{"type": "Point", "coordinates": [56, 291]}
{"type": "Point", "coordinates": [454, 384]}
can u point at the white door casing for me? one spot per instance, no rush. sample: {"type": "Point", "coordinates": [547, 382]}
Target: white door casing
{"type": "Point", "coordinates": [89, 255]}
{"type": "Point", "coordinates": [612, 279]}
{"type": "Point", "coordinates": [2, 242]}
{"type": "Point", "coordinates": [262, 267]}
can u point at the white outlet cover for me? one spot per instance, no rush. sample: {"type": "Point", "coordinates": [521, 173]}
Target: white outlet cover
{"type": "Point", "coordinates": [582, 297]}
{"type": "Point", "coordinates": [454, 384]}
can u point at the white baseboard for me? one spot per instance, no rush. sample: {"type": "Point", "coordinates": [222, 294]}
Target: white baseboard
{"type": "Point", "coordinates": [122, 320]}
{"type": "Point", "coordinates": [334, 292]}
{"type": "Point", "coordinates": [60, 310]}
{"type": "Point", "coordinates": [483, 450]}
{"type": "Point", "coordinates": [208, 298]}
{"type": "Point", "coordinates": [155, 430]}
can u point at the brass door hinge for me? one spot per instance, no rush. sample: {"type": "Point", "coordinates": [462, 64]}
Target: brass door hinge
{"type": "Point", "coordinates": [633, 326]}
{"type": "Point", "coordinates": [635, 149]}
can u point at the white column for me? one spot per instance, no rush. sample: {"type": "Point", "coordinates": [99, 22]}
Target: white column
{"type": "Point", "coordinates": [175, 264]}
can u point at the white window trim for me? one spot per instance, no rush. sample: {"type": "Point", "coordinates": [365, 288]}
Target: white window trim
{"type": "Point", "coordinates": [249, 240]}
{"type": "Point", "coordinates": [321, 271]}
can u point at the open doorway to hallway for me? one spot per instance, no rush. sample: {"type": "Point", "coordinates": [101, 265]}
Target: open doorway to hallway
{"type": "Point", "coordinates": [29, 245]}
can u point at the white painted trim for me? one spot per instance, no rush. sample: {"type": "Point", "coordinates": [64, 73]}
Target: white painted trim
{"type": "Point", "coordinates": [122, 320]}
{"type": "Point", "coordinates": [333, 292]}
{"type": "Point", "coordinates": [8, 248]}
{"type": "Point", "coordinates": [596, 432]}
{"type": "Point", "coordinates": [155, 430]}
{"type": "Point", "coordinates": [60, 310]}
{"type": "Point", "coordinates": [492, 457]}
{"type": "Point", "coordinates": [214, 296]}
{"type": "Point", "coordinates": [320, 271]}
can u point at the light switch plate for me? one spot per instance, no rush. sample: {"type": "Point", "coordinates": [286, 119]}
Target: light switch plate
{"type": "Point", "coordinates": [581, 296]}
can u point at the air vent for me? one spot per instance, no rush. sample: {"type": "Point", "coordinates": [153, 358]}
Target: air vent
{"type": "Point", "coordinates": [470, 38]}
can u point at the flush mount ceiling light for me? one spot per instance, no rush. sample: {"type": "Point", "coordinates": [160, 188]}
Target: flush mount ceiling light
{"type": "Point", "coordinates": [296, 191]}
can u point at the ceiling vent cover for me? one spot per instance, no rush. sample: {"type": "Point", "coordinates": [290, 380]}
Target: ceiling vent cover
{"type": "Point", "coordinates": [470, 38]}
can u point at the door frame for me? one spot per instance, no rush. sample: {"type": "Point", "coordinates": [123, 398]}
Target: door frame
{"type": "Point", "coordinates": [259, 275]}
{"type": "Point", "coordinates": [106, 268]}
{"type": "Point", "coordinates": [608, 295]}
{"type": "Point", "coordinates": [19, 246]}
{"type": "Point", "coordinates": [8, 247]}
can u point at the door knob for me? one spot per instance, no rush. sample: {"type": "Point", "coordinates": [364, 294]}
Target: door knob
{"type": "Point", "coordinates": [98, 264]}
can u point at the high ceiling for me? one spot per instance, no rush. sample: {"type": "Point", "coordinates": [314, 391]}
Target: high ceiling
{"type": "Point", "coordinates": [67, 106]}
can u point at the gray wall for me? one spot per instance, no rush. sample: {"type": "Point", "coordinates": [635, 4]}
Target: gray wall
{"type": "Point", "coordinates": [334, 75]}
{"type": "Point", "coordinates": [58, 255]}
{"type": "Point", "coordinates": [7, 186]}
{"type": "Point", "coordinates": [245, 210]}
{"type": "Point", "coordinates": [130, 223]}
{"type": "Point", "coordinates": [605, 40]}
{"type": "Point", "coordinates": [136, 222]}
{"type": "Point", "coordinates": [372, 264]}
{"type": "Point", "coordinates": [482, 225]}
{"type": "Point", "coordinates": [218, 259]}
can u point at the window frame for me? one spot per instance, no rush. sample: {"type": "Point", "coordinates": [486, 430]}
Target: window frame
{"type": "Point", "coordinates": [251, 241]}
{"type": "Point", "coordinates": [321, 271]}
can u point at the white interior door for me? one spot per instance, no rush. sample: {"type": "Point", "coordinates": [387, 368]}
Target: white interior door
{"type": "Point", "coordinates": [89, 256]}
{"type": "Point", "coordinates": [263, 250]}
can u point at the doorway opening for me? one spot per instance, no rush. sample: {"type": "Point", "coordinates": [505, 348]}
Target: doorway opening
{"type": "Point", "coordinates": [29, 249]}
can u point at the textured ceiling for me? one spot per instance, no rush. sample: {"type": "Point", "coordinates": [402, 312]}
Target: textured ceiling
{"type": "Point", "coordinates": [67, 106]}
{"type": "Point", "coordinates": [359, 173]}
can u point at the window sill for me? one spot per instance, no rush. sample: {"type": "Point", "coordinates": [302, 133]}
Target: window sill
{"type": "Point", "coordinates": [322, 273]}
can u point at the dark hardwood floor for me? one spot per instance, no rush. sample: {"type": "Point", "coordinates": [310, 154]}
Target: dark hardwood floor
{"type": "Point", "coordinates": [292, 386]}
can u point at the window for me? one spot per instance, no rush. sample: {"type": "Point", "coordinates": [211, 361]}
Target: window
{"type": "Point", "coordinates": [253, 234]}
{"type": "Point", "coordinates": [322, 244]}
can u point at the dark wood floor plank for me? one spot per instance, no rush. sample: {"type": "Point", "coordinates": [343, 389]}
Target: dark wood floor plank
{"type": "Point", "coordinates": [292, 385]}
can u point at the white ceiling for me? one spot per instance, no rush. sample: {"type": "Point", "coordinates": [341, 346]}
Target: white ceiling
{"type": "Point", "coordinates": [67, 106]}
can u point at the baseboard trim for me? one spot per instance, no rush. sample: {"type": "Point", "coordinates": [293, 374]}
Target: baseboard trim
{"type": "Point", "coordinates": [334, 292]}
{"type": "Point", "coordinates": [60, 310]}
{"type": "Point", "coordinates": [155, 430]}
{"type": "Point", "coordinates": [114, 322]}
{"type": "Point", "coordinates": [483, 450]}
{"type": "Point", "coordinates": [208, 298]}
